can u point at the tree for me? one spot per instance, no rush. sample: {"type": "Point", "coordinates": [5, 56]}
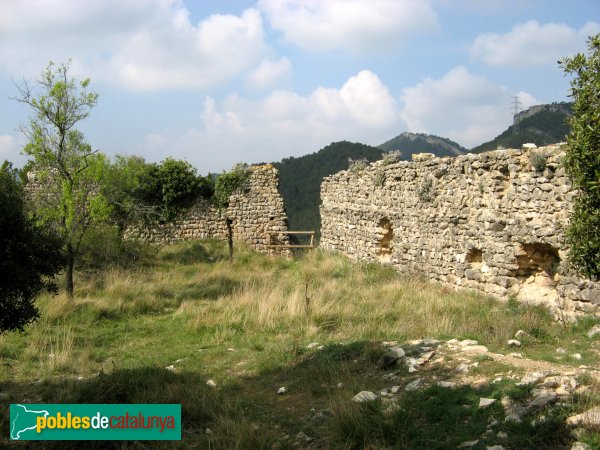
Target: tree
{"type": "Point", "coordinates": [582, 161]}
{"type": "Point", "coordinates": [29, 255]}
{"type": "Point", "coordinates": [225, 185]}
{"type": "Point", "coordinates": [173, 185]}
{"type": "Point", "coordinates": [64, 164]}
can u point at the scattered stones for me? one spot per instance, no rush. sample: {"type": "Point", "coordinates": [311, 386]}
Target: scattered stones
{"type": "Point", "coordinates": [587, 419]}
{"type": "Point", "coordinates": [412, 369]}
{"type": "Point", "coordinates": [171, 368]}
{"type": "Point", "coordinates": [395, 389]}
{"type": "Point", "coordinates": [364, 396]}
{"type": "Point", "coordinates": [282, 390]}
{"type": "Point", "coordinates": [485, 402]}
{"type": "Point", "coordinates": [495, 447]}
{"type": "Point", "coordinates": [447, 384]}
{"type": "Point", "coordinates": [467, 342]}
{"type": "Point", "coordinates": [502, 435]}
{"type": "Point", "coordinates": [561, 351]}
{"type": "Point", "coordinates": [514, 343]}
{"type": "Point", "coordinates": [532, 378]}
{"type": "Point", "coordinates": [516, 355]}
{"type": "Point", "coordinates": [208, 431]}
{"type": "Point", "coordinates": [542, 399]}
{"type": "Point", "coordinates": [594, 331]}
{"type": "Point", "coordinates": [391, 357]}
{"type": "Point", "coordinates": [302, 436]}
{"type": "Point", "coordinates": [339, 385]}
{"type": "Point", "coordinates": [580, 446]}
{"type": "Point", "coordinates": [469, 444]}
{"type": "Point", "coordinates": [520, 333]}
{"type": "Point", "coordinates": [512, 410]}
{"type": "Point", "coordinates": [413, 385]}
{"type": "Point", "coordinates": [211, 383]}
{"type": "Point", "coordinates": [478, 349]}
{"type": "Point", "coordinates": [312, 345]}
{"type": "Point", "coordinates": [576, 356]}
{"type": "Point", "coordinates": [462, 368]}
{"type": "Point", "coordinates": [389, 343]}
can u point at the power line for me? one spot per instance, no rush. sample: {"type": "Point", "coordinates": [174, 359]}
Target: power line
{"type": "Point", "coordinates": [516, 105]}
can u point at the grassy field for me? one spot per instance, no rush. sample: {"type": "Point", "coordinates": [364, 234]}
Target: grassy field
{"type": "Point", "coordinates": [158, 332]}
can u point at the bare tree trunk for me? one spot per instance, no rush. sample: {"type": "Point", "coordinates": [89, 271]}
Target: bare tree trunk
{"type": "Point", "coordinates": [228, 222]}
{"type": "Point", "coordinates": [69, 272]}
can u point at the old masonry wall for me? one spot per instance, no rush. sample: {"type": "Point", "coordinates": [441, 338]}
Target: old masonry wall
{"type": "Point", "coordinates": [492, 222]}
{"type": "Point", "coordinates": [254, 212]}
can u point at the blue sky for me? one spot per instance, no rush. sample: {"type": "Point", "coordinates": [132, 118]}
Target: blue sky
{"type": "Point", "coordinates": [221, 82]}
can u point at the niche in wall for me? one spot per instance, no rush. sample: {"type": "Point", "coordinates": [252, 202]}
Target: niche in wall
{"type": "Point", "coordinates": [475, 258]}
{"type": "Point", "coordinates": [386, 240]}
{"type": "Point", "coordinates": [537, 258]}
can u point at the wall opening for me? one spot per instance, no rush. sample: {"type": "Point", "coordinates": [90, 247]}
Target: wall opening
{"type": "Point", "coordinates": [537, 265]}
{"type": "Point", "coordinates": [534, 259]}
{"type": "Point", "coordinates": [386, 233]}
{"type": "Point", "coordinates": [475, 258]}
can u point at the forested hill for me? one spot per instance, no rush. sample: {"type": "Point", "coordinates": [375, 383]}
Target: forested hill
{"type": "Point", "coordinates": [300, 179]}
{"type": "Point", "coordinates": [409, 143]}
{"type": "Point", "coordinates": [541, 125]}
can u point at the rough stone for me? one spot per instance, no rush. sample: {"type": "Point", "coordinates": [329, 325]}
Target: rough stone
{"type": "Point", "coordinates": [487, 222]}
{"type": "Point", "coordinates": [364, 396]}
{"type": "Point", "coordinates": [587, 419]}
{"type": "Point", "coordinates": [255, 212]}
{"type": "Point", "coordinates": [485, 402]}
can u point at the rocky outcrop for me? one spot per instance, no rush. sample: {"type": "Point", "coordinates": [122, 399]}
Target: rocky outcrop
{"type": "Point", "coordinates": [492, 222]}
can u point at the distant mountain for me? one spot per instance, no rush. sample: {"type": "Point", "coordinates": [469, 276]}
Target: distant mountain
{"type": "Point", "coordinates": [541, 125]}
{"type": "Point", "coordinates": [409, 143]}
{"type": "Point", "coordinates": [300, 179]}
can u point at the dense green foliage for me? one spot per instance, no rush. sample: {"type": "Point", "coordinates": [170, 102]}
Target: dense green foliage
{"type": "Point", "coordinates": [229, 182]}
{"type": "Point", "coordinates": [541, 128]}
{"type": "Point", "coordinates": [173, 186]}
{"type": "Point", "coordinates": [582, 160]}
{"type": "Point", "coordinates": [409, 143]}
{"type": "Point", "coordinates": [64, 163]}
{"type": "Point", "coordinates": [28, 255]}
{"type": "Point", "coordinates": [300, 179]}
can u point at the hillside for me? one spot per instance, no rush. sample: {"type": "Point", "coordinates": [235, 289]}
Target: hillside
{"type": "Point", "coordinates": [542, 125]}
{"type": "Point", "coordinates": [409, 143]}
{"type": "Point", "coordinates": [300, 179]}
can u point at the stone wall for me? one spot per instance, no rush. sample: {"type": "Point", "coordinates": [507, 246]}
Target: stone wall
{"type": "Point", "coordinates": [491, 222]}
{"type": "Point", "coordinates": [253, 212]}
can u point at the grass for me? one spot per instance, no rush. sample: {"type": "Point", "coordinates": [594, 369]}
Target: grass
{"type": "Point", "coordinates": [247, 325]}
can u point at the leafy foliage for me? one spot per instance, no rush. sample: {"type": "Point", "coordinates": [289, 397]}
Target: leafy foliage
{"type": "Point", "coordinates": [229, 182]}
{"type": "Point", "coordinates": [582, 160]}
{"type": "Point", "coordinates": [65, 165]}
{"type": "Point", "coordinates": [173, 185]}
{"type": "Point", "coordinates": [28, 254]}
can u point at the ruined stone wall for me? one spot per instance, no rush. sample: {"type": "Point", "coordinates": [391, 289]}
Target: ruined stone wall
{"type": "Point", "coordinates": [491, 222]}
{"type": "Point", "coordinates": [254, 212]}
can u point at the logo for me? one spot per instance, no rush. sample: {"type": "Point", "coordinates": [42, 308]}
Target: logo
{"type": "Point", "coordinates": [95, 422]}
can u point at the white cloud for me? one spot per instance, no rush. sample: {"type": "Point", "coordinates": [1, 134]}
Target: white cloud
{"type": "Point", "coordinates": [140, 44]}
{"type": "Point", "coordinates": [353, 25]}
{"type": "Point", "coordinates": [284, 123]}
{"type": "Point", "coordinates": [466, 108]}
{"type": "Point", "coordinates": [532, 44]}
{"type": "Point", "coordinates": [269, 73]}
{"type": "Point", "coordinates": [7, 145]}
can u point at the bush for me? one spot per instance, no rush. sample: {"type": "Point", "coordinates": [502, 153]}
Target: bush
{"type": "Point", "coordinates": [29, 256]}
{"type": "Point", "coordinates": [582, 161]}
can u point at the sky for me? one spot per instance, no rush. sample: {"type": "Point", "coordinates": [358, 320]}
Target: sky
{"type": "Point", "coordinates": [222, 82]}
